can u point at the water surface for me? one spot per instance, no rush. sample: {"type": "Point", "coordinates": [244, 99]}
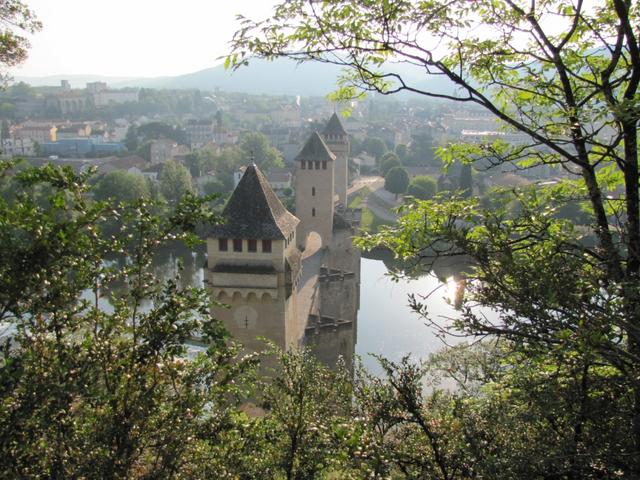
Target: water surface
{"type": "Point", "coordinates": [388, 327]}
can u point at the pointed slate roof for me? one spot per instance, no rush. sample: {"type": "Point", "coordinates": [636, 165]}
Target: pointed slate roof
{"type": "Point", "coordinates": [254, 211]}
{"type": "Point", "coordinates": [315, 149]}
{"type": "Point", "coordinates": [334, 127]}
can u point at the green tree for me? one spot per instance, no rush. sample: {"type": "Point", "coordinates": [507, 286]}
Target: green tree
{"type": "Point", "coordinates": [483, 428]}
{"type": "Point", "coordinates": [302, 430]}
{"type": "Point", "coordinates": [374, 146]}
{"type": "Point", "coordinates": [131, 140]}
{"type": "Point", "coordinates": [388, 161]}
{"type": "Point", "coordinates": [396, 180]}
{"type": "Point", "coordinates": [86, 393]}
{"type": "Point", "coordinates": [214, 186]}
{"type": "Point", "coordinates": [201, 162]}
{"type": "Point", "coordinates": [7, 110]}
{"type": "Point", "coordinates": [561, 73]}
{"type": "Point", "coordinates": [144, 150]}
{"type": "Point", "coordinates": [255, 145]}
{"type": "Point", "coordinates": [422, 187]}
{"type": "Point", "coordinates": [195, 164]}
{"type": "Point", "coordinates": [230, 159]}
{"type": "Point", "coordinates": [421, 151]}
{"type": "Point", "coordinates": [401, 151]}
{"type": "Point", "coordinates": [5, 133]}
{"type": "Point", "coordinates": [18, 21]}
{"type": "Point", "coordinates": [355, 146]}
{"type": "Point", "coordinates": [159, 130]}
{"type": "Point", "coordinates": [121, 186]}
{"type": "Point", "coordinates": [175, 181]}
{"type": "Point", "coordinates": [21, 90]}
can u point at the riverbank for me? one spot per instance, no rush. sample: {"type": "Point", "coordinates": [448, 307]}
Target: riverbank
{"type": "Point", "coordinates": [377, 208]}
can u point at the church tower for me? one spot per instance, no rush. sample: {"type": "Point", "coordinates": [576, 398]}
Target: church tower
{"type": "Point", "coordinates": [254, 266]}
{"type": "Point", "coordinates": [315, 190]}
{"type": "Point", "coordinates": [337, 139]}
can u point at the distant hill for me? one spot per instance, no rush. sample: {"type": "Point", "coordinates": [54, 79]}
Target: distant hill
{"type": "Point", "coordinates": [279, 77]}
{"type": "Point", "coordinates": [438, 84]}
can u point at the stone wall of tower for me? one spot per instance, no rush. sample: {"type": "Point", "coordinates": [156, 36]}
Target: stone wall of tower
{"type": "Point", "coordinates": [314, 199]}
{"type": "Point", "coordinates": [256, 287]}
{"type": "Point", "coordinates": [339, 145]}
{"type": "Point", "coordinates": [332, 328]}
{"type": "Point", "coordinates": [252, 317]}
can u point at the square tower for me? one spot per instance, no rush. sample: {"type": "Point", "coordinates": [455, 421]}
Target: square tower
{"type": "Point", "coordinates": [337, 139]}
{"type": "Point", "coordinates": [253, 266]}
{"type": "Point", "coordinates": [315, 190]}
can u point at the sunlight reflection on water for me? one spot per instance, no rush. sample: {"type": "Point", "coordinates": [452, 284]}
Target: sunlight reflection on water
{"type": "Point", "coordinates": [386, 324]}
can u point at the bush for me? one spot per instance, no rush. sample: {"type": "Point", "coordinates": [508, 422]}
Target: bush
{"type": "Point", "coordinates": [422, 187]}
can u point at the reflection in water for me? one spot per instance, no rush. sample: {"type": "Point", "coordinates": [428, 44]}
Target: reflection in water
{"type": "Point", "coordinates": [454, 287]}
{"type": "Point", "coordinates": [179, 260]}
{"type": "Point", "coordinates": [171, 262]}
{"type": "Point", "coordinates": [382, 322]}
{"type": "Point", "coordinates": [387, 325]}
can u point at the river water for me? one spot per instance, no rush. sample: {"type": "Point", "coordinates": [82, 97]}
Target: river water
{"type": "Point", "coordinates": [386, 325]}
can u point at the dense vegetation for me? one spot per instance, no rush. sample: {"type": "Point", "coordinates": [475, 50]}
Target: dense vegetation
{"type": "Point", "coordinates": [565, 76]}
{"type": "Point", "coordinates": [552, 393]}
{"type": "Point", "coordinates": [97, 394]}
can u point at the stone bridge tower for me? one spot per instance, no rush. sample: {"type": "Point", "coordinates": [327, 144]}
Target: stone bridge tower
{"type": "Point", "coordinates": [254, 266]}
{"type": "Point", "coordinates": [337, 139]}
{"type": "Point", "coordinates": [315, 190]}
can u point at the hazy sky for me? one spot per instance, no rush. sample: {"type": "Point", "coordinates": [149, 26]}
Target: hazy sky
{"type": "Point", "coordinates": [133, 37]}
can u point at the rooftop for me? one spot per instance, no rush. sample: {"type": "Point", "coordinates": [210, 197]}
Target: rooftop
{"type": "Point", "coordinates": [254, 211]}
{"type": "Point", "coordinates": [334, 127]}
{"type": "Point", "coordinates": [315, 149]}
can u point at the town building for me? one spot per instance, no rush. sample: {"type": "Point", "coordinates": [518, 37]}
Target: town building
{"type": "Point", "coordinates": [69, 101]}
{"type": "Point", "coordinates": [18, 147]}
{"type": "Point", "coordinates": [73, 130]}
{"type": "Point", "coordinates": [96, 87]}
{"type": "Point", "coordinates": [130, 164]}
{"type": "Point", "coordinates": [97, 94]}
{"type": "Point", "coordinates": [35, 132]}
{"type": "Point", "coordinates": [81, 147]}
{"type": "Point", "coordinates": [107, 97]}
{"type": "Point", "coordinates": [279, 179]}
{"type": "Point", "coordinates": [199, 132]}
{"type": "Point", "coordinates": [161, 150]}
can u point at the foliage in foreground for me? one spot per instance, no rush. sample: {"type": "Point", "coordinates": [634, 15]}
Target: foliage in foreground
{"type": "Point", "coordinates": [89, 392]}
{"type": "Point", "coordinates": [565, 76]}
